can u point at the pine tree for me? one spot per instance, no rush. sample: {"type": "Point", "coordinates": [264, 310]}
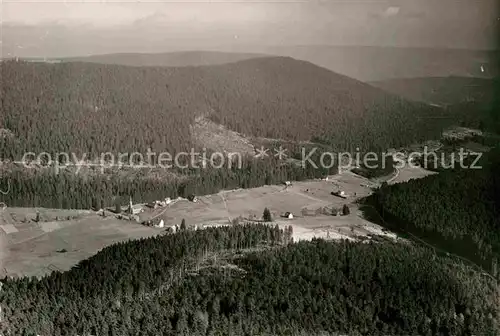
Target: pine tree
{"type": "Point", "coordinates": [118, 208]}
{"type": "Point", "coordinates": [345, 210]}
{"type": "Point", "coordinates": [266, 216]}
{"type": "Point", "coordinates": [183, 225]}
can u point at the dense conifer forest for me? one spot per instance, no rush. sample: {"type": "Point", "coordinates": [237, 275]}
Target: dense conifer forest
{"type": "Point", "coordinates": [382, 165]}
{"type": "Point", "coordinates": [95, 108]}
{"type": "Point", "coordinates": [457, 208]}
{"type": "Point", "coordinates": [249, 280]}
{"type": "Point", "coordinates": [42, 187]}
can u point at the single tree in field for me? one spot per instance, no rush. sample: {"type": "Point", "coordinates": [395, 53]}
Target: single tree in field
{"type": "Point", "coordinates": [118, 208]}
{"type": "Point", "coordinates": [266, 216]}
{"type": "Point", "coordinates": [183, 225]}
{"type": "Point", "coordinates": [345, 210]}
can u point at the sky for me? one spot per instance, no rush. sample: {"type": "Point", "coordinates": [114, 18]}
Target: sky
{"type": "Point", "coordinates": [71, 27]}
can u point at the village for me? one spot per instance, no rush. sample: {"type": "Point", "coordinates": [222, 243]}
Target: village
{"type": "Point", "coordinates": [39, 240]}
{"type": "Point", "coordinates": [145, 214]}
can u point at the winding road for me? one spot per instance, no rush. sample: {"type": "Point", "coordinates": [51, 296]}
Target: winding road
{"type": "Point", "coordinates": [394, 177]}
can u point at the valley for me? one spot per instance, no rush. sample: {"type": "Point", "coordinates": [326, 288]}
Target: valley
{"type": "Point", "coordinates": [33, 248]}
{"type": "Point", "coordinates": [96, 240]}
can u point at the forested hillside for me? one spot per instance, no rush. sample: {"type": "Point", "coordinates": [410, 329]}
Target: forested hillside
{"type": "Point", "coordinates": [381, 167]}
{"type": "Point", "coordinates": [477, 115]}
{"type": "Point", "coordinates": [472, 102]}
{"type": "Point", "coordinates": [93, 108]}
{"type": "Point", "coordinates": [177, 285]}
{"type": "Point", "coordinates": [458, 209]}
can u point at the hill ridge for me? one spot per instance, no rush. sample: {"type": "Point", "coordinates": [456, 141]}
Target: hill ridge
{"type": "Point", "coordinates": [99, 108]}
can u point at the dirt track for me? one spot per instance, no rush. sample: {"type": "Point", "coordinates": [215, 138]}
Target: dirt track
{"type": "Point", "coordinates": [34, 248]}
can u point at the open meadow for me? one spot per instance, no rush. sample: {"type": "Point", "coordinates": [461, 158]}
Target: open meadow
{"type": "Point", "coordinates": [59, 239]}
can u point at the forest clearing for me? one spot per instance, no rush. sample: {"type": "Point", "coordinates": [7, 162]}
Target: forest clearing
{"type": "Point", "coordinates": [62, 238]}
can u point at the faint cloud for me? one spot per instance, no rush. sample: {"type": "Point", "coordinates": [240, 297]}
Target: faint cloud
{"type": "Point", "coordinates": [396, 11]}
{"type": "Point", "coordinates": [391, 11]}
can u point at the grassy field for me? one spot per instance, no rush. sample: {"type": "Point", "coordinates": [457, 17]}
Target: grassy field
{"type": "Point", "coordinates": [38, 248]}
{"type": "Point", "coordinates": [61, 238]}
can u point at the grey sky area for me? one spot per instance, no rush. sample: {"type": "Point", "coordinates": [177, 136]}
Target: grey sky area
{"type": "Point", "coordinates": [81, 28]}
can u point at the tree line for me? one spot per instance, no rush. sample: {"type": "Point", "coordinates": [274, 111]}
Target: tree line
{"type": "Point", "coordinates": [458, 208]}
{"type": "Point", "coordinates": [41, 187]}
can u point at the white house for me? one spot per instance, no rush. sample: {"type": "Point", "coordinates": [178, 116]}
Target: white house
{"type": "Point", "coordinates": [340, 193]}
{"type": "Point", "coordinates": [288, 215]}
{"type": "Point", "coordinates": [161, 224]}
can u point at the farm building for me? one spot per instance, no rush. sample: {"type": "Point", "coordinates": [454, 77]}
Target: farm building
{"type": "Point", "coordinates": [339, 193]}
{"type": "Point", "coordinates": [153, 205]}
{"type": "Point", "coordinates": [288, 215]}
{"type": "Point", "coordinates": [161, 224]}
{"type": "Point", "coordinates": [157, 204]}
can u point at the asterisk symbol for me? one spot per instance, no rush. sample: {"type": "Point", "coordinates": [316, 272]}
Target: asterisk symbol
{"type": "Point", "coordinates": [262, 152]}
{"type": "Point", "coordinates": [8, 189]}
{"type": "Point", "coordinates": [280, 153]}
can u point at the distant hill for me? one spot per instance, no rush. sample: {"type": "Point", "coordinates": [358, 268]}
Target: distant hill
{"type": "Point", "coordinates": [379, 63]}
{"type": "Point", "coordinates": [173, 59]}
{"type": "Point", "coordinates": [441, 90]}
{"type": "Point", "coordinates": [94, 108]}
{"type": "Point", "coordinates": [365, 63]}
{"type": "Point", "coordinates": [471, 101]}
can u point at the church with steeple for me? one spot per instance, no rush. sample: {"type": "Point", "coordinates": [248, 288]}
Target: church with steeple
{"type": "Point", "coordinates": [134, 209]}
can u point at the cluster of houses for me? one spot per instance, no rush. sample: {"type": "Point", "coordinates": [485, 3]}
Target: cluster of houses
{"type": "Point", "coordinates": [160, 224]}
{"type": "Point", "coordinates": [157, 204]}
{"type": "Point", "coordinates": [157, 223]}
{"type": "Point", "coordinates": [133, 211]}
